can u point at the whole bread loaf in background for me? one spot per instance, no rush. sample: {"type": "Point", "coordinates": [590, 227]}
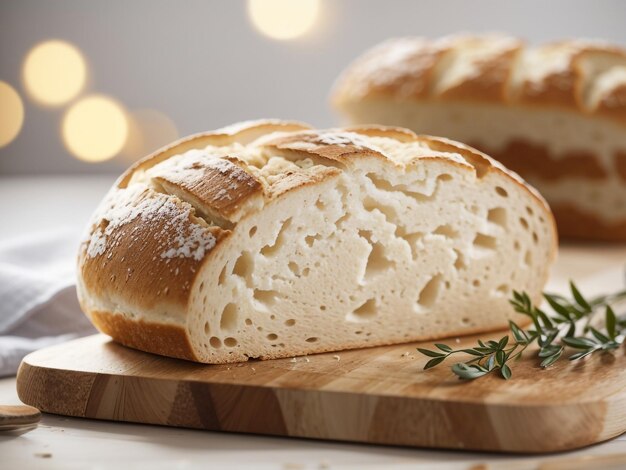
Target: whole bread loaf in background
{"type": "Point", "coordinates": [556, 114]}
{"type": "Point", "coordinates": [269, 239]}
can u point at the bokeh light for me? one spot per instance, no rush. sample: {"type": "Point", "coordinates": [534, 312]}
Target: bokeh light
{"type": "Point", "coordinates": [54, 72]}
{"type": "Point", "coordinates": [95, 128]}
{"type": "Point", "coordinates": [148, 130]}
{"type": "Point", "coordinates": [283, 19]}
{"type": "Point", "coordinates": [11, 114]}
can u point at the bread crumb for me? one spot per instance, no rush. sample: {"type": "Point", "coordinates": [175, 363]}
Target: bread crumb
{"type": "Point", "coordinates": [335, 357]}
{"type": "Point", "coordinates": [253, 369]}
{"type": "Point", "coordinates": [405, 354]}
{"type": "Point", "coordinates": [457, 340]}
{"type": "Point", "coordinates": [307, 359]}
{"type": "Point", "coordinates": [293, 359]}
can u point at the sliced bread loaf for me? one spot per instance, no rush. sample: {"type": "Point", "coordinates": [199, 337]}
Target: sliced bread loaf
{"type": "Point", "coordinates": [269, 239]}
{"type": "Point", "coordinates": [555, 113]}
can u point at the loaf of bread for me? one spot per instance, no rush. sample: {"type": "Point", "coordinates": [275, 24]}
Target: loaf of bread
{"type": "Point", "coordinates": [555, 114]}
{"type": "Point", "coordinates": [269, 239]}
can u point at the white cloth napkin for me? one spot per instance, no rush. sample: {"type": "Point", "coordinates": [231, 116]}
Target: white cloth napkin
{"type": "Point", "coordinates": [38, 305]}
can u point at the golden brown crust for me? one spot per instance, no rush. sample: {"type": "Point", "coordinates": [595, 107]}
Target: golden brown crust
{"type": "Point", "coordinates": [491, 68]}
{"type": "Point", "coordinates": [334, 146]}
{"type": "Point", "coordinates": [173, 340]}
{"type": "Point", "coordinates": [579, 225]}
{"type": "Point", "coordinates": [133, 251]}
{"type": "Point", "coordinates": [219, 187]}
{"type": "Point", "coordinates": [242, 133]}
{"type": "Point", "coordinates": [158, 338]}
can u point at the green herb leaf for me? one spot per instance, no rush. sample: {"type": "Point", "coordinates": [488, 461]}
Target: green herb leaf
{"type": "Point", "coordinates": [429, 353]}
{"type": "Point", "coordinates": [463, 371]}
{"type": "Point", "coordinates": [578, 343]}
{"type": "Point", "coordinates": [580, 300]}
{"type": "Point", "coordinates": [434, 362]}
{"type": "Point", "coordinates": [611, 321]}
{"type": "Point", "coordinates": [443, 347]}
{"type": "Point", "coordinates": [506, 372]}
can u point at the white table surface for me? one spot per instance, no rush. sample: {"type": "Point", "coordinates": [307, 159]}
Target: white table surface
{"type": "Point", "coordinates": [29, 203]}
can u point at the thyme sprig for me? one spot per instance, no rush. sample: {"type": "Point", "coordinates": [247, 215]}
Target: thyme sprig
{"type": "Point", "coordinates": [570, 325]}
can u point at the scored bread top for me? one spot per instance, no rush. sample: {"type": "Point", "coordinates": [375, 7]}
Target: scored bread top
{"type": "Point", "coordinates": [169, 213]}
{"type": "Point", "coordinates": [583, 75]}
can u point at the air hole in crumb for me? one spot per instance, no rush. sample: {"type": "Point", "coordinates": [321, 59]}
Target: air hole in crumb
{"type": "Point", "coordinates": [485, 242]}
{"type": "Point", "coordinates": [476, 282]}
{"type": "Point", "coordinates": [266, 298]}
{"type": "Point", "coordinates": [516, 245]}
{"type": "Point", "coordinates": [248, 321]}
{"type": "Point", "coordinates": [272, 317]}
{"type": "Point", "coordinates": [228, 322]}
{"type": "Point", "coordinates": [502, 289]}
{"type": "Point", "coordinates": [311, 239]}
{"type": "Point", "coordinates": [320, 204]}
{"type": "Point", "coordinates": [444, 177]}
{"type": "Point", "coordinates": [497, 216]}
{"type": "Point", "coordinates": [377, 261]}
{"type": "Point", "coordinates": [271, 250]}
{"type": "Point", "coordinates": [535, 237]}
{"type": "Point", "coordinates": [528, 258]}
{"type": "Point", "coordinates": [312, 339]}
{"type": "Point", "coordinates": [465, 320]}
{"type": "Point", "coordinates": [252, 231]}
{"type": "Point", "coordinates": [446, 231]}
{"type": "Point", "coordinates": [294, 268]}
{"type": "Point", "coordinates": [429, 293]}
{"type": "Point", "coordinates": [365, 312]}
{"type": "Point", "coordinates": [459, 262]}
{"type": "Point", "coordinates": [323, 308]}
{"type": "Point", "coordinates": [529, 210]}
{"type": "Point", "coordinates": [244, 265]}
{"type": "Point", "coordinates": [272, 336]}
{"type": "Point", "coordinates": [222, 277]}
{"type": "Point", "coordinates": [501, 191]}
{"type": "Point", "coordinates": [215, 342]}
{"type": "Point", "coordinates": [207, 328]}
{"type": "Point", "coordinates": [523, 222]}
{"type": "Point", "coordinates": [230, 342]}
{"type": "Point", "coordinates": [290, 322]}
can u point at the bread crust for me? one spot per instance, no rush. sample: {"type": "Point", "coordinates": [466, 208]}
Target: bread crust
{"type": "Point", "coordinates": [495, 68]}
{"type": "Point", "coordinates": [173, 341]}
{"type": "Point", "coordinates": [139, 265]}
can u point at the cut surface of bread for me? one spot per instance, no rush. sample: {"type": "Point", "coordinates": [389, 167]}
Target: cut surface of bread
{"type": "Point", "coordinates": [269, 239]}
{"type": "Point", "coordinates": [555, 114]}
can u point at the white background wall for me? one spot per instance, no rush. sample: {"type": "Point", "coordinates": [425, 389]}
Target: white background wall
{"type": "Point", "coordinates": [204, 65]}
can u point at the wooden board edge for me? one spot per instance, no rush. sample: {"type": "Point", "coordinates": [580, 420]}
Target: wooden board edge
{"type": "Point", "coordinates": [372, 419]}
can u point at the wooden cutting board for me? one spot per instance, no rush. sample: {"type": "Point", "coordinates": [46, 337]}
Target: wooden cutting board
{"type": "Point", "coordinates": [378, 395]}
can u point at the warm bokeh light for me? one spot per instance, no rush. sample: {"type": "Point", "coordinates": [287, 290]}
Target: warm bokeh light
{"type": "Point", "coordinates": [11, 114]}
{"type": "Point", "coordinates": [148, 130]}
{"type": "Point", "coordinates": [54, 72]}
{"type": "Point", "coordinates": [95, 128]}
{"type": "Point", "coordinates": [283, 19]}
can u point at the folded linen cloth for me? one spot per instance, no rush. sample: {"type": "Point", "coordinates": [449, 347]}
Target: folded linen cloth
{"type": "Point", "coordinates": [38, 305]}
